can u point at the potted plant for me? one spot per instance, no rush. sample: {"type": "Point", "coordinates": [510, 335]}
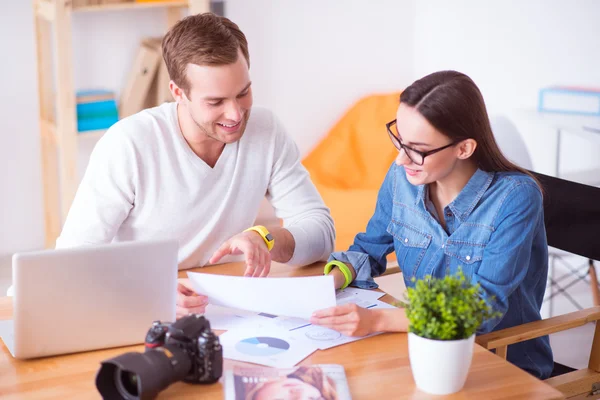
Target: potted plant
{"type": "Point", "coordinates": [443, 316]}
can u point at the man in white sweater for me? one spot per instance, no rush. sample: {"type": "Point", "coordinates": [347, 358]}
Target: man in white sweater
{"type": "Point", "coordinates": [197, 169]}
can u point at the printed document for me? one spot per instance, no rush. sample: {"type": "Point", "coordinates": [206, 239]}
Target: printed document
{"type": "Point", "coordinates": [290, 297]}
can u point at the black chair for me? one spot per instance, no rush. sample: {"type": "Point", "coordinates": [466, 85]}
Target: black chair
{"type": "Point", "coordinates": [572, 220]}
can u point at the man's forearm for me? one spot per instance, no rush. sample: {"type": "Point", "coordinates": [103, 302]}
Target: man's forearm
{"type": "Point", "coordinates": [284, 245]}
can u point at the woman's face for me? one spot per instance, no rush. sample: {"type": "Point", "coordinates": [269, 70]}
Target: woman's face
{"type": "Point", "coordinates": [417, 133]}
{"type": "Point", "coordinates": [288, 389]}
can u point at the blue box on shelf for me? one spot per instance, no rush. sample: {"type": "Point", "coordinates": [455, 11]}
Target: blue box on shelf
{"type": "Point", "coordinates": [569, 100]}
{"type": "Point", "coordinates": [96, 110]}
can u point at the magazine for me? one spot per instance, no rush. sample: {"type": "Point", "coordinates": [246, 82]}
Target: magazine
{"type": "Point", "coordinates": [312, 382]}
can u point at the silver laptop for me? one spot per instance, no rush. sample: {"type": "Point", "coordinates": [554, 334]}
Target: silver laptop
{"type": "Point", "coordinates": [92, 297]}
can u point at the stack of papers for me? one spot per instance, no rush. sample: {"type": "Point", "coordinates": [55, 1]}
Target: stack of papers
{"type": "Point", "coordinates": [267, 318]}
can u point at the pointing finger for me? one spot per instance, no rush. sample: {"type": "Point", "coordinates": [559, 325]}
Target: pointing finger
{"type": "Point", "coordinates": [220, 253]}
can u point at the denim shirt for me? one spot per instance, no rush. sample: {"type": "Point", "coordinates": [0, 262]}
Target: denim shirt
{"type": "Point", "coordinates": [494, 232]}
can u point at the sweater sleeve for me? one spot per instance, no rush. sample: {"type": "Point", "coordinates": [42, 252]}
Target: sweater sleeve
{"type": "Point", "coordinates": [297, 201]}
{"type": "Point", "coordinates": [105, 195]}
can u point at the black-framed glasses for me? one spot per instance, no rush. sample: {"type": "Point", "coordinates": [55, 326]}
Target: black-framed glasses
{"type": "Point", "coordinates": [416, 156]}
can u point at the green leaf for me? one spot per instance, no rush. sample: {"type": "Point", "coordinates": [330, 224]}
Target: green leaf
{"type": "Point", "coordinates": [448, 308]}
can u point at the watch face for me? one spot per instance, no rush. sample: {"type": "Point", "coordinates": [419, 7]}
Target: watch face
{"type": "Point", "coordinates": [269, 237]}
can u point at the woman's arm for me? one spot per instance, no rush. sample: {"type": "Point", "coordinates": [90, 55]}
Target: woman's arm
{"type": "Point", "coordinates": [352, 320]}
{"type": "Point", "coordinates": [367, 256]}
{"type": "Point", "coordinates": [338, 277]}
{"type": "Point", "coordinates": [507, 256]}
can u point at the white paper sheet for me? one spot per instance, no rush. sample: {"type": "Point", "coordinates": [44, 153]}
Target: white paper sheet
{"type": "Point", "coordinates": [292, 297]}
{"type": "Point", "coordinates": [350, 294]}
{"type": "Point", "coordinates": [269, 346]}
{"type": "Point", "coordinates": [225, 318]}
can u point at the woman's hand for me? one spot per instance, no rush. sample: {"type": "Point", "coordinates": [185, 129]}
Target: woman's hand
{"type": "Point", "coordinates": [348, 319]}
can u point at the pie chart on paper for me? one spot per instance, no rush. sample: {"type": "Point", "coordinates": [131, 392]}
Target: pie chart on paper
{"type": "Point", "coordinates": [262, 346]}
{"type": "Point", "coordinates": [265, 345]}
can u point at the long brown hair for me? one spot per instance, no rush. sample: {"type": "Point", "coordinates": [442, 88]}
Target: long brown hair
{"type": "Point", "coordinates": [453, 105]}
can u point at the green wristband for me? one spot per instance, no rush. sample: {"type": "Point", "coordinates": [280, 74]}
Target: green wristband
{"type": "Point", "coordinates": [343, 268]}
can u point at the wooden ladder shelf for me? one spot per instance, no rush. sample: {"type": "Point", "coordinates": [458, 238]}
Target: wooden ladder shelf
{"type": "Point", "coordinates": [57, 102]}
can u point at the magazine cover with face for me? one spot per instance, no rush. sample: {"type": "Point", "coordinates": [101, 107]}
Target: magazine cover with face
{"type": "Point", "coordinates": [313, 382]}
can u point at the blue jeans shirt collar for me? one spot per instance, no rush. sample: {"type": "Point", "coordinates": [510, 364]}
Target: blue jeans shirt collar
{"type": "Point", "coordinates": [467, 199]}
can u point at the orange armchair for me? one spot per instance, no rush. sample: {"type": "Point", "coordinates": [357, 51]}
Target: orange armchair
{"type": "Point", "coordinates": [348, 166]}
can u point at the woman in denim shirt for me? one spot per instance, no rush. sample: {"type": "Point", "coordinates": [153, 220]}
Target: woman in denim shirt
{"type": "Point", "coordinates": [452, 200]}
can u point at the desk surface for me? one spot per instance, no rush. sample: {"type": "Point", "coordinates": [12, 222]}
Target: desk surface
{"type": "Point", "coordinates": [377, 367]}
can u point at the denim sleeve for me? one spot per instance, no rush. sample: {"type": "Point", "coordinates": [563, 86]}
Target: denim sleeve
{"type": "Point", "coordinates": [506, 257]}
{"type": "Point", "coordinates": [368, 253]}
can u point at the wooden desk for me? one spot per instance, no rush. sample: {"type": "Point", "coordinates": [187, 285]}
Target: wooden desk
{"type": "Point", "coordinates": [377, 367]}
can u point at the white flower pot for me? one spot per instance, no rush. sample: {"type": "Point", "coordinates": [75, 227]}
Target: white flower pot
{"type": "Point", "coordinates": [440, 366]}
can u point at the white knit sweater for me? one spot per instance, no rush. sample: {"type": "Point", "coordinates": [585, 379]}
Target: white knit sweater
{"type": "Point", "coordinates": [143, 181]}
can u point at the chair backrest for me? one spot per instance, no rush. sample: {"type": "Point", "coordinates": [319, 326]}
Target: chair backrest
{"type": "Point", "coordinates": [572, 216]}
{"type": "Point", "coordinates": [510, 141]}
{"type": "Point", "coordinates": [357, 152]}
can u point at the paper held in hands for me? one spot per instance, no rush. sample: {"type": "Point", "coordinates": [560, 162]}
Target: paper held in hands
{"type": "Point", "coordinates": [291, 297]}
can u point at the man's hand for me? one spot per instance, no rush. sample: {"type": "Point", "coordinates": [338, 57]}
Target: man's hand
{"type": "Point", "coordinates": [188, 302]}
{"type": "Point", "coordinates": [348, 319]}
{"type": "Point", "coordinates": [254, 248]}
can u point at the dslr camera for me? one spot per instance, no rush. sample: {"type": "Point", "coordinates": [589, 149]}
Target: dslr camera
{"type": "Point", "coordinates": [185, 350]}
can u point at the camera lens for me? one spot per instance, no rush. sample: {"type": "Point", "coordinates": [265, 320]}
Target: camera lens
{"type": "Point", "coordinates": [132, 376]}
{"type": "Point", "coordinates": [127, 383]}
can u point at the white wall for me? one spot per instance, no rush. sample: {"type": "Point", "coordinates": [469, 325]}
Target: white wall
{"type": "Point", "coordinates": [512, 48]}
{"type": "Point", "coordinates": [311, 59]}
{"type": "Point", "coordinates": [20, 187]}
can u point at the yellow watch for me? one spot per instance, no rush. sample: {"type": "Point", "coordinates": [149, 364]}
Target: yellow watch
{"type": "Point", "coordinates": [265, 234]}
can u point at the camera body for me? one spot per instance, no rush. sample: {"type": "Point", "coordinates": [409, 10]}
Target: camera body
{"type": "Point", "coordinates": [186, 350]}
{"type": "Point", "coordinates": [193, 335]}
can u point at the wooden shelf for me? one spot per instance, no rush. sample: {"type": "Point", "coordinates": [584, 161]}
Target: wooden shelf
{"type": "Point", "coordinates": [58, 109]}
{"type": "Point", "coordinates": [131, 6]}
{"type": "Point", "coordinates": [91, 135]}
